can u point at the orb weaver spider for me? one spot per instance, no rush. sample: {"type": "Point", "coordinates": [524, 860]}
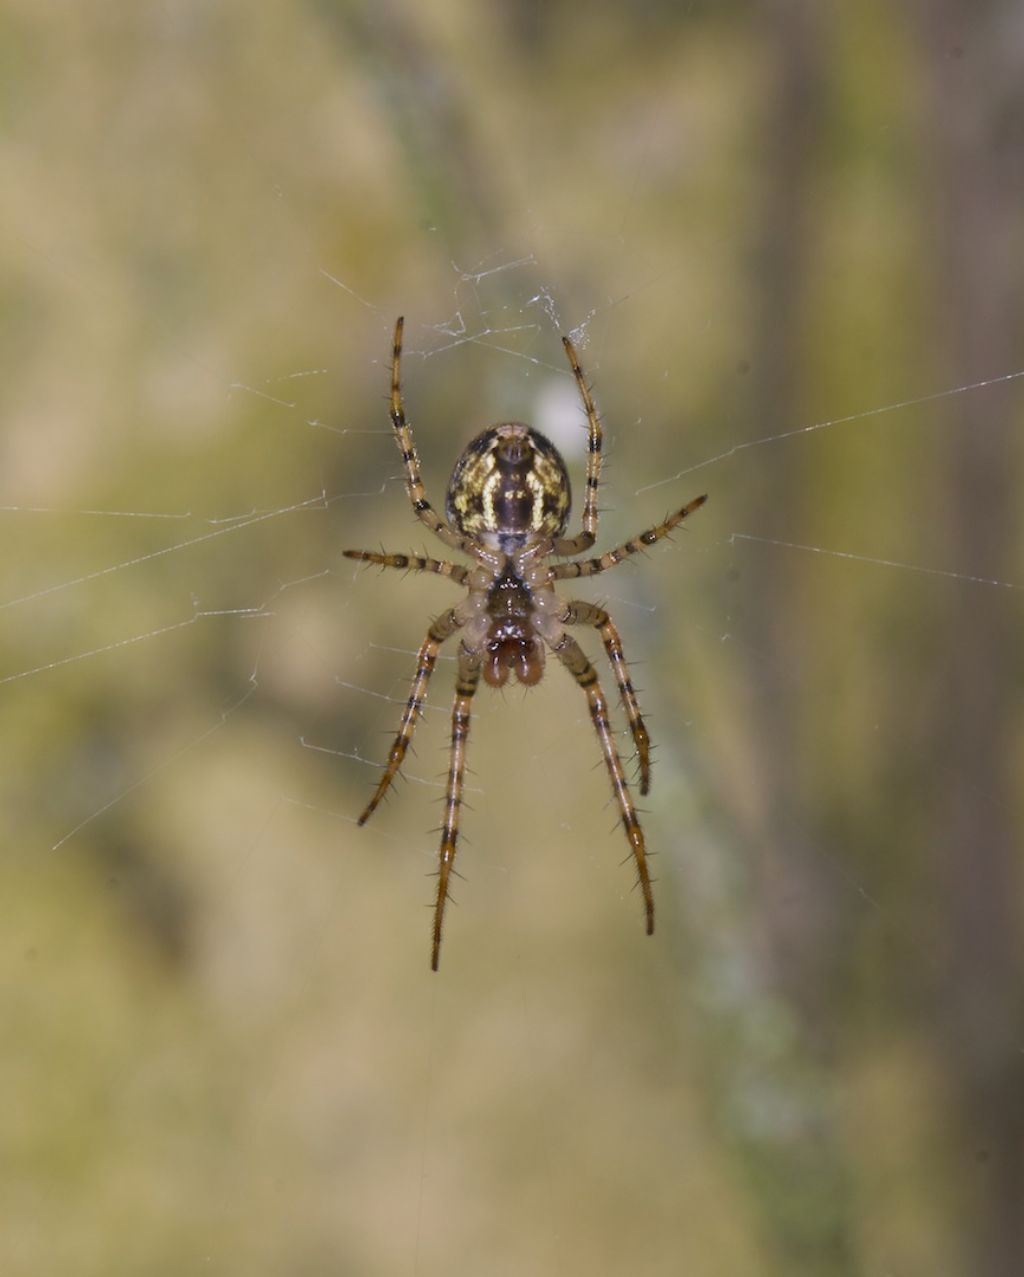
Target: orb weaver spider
{"type": "Point", "coordinates": [507, 508]}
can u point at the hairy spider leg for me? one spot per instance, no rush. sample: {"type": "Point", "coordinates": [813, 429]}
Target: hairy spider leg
{"type": "Point", "coordinates": [425, 512]}
{"type": "Point", "coordinates": [574, 659]}
{"type": "Point", "coordinates": [465, 686]}
{"type": "Point", "coordinates": [590, 567]}
{"type": "Point", "coordinates": [577, 544]}
{"type": "Point", "coordinates": [579, 613]}
{"type": "Point", "coordinates": [412, 563]}
{"type": "Point", "coordinates": [444, 627]}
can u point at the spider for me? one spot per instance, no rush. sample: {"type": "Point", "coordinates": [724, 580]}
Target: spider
{"type": "Point", "coordinates": [507, 508]}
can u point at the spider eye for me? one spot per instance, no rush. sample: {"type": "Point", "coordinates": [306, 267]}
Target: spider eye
{"type": "Point", "coordinates": [510, 481]}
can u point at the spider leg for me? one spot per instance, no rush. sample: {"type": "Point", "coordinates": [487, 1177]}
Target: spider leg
{"type": "Point", "coordinates": [578, 613]}
{"type": "Point", "coordinates": [590, 567]}
{"type": "Point", "coordinates": [575, 661]}
{"type": "Point", "coordinates": [425, 512]}
{"type": "Point", "coordinates": [577, 544]}
{"type": "Point", "coordinates": [465, 686]}
{"type": "Point", "coordinates": [442, 628]}
{"type": "Point", "coordinates": [412, 563]}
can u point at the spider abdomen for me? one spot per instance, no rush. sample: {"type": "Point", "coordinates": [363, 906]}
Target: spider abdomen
{"type": "Point", "coordinates": [510, 484]}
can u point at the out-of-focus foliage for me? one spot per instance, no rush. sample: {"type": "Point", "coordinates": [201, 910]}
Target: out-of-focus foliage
{"type": "Point", "coordinates": [779, 232]}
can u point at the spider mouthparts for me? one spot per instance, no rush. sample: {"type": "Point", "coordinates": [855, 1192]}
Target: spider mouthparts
{"type": "Point", "coordinates": [522, 657]}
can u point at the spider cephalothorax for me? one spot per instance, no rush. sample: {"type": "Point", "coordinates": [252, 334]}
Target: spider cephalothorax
{"type": "Point", "coordinates": [508, 507]}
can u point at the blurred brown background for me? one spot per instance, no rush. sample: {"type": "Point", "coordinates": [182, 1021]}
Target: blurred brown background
{"type": "Point", "coordinates": [223, 1049]}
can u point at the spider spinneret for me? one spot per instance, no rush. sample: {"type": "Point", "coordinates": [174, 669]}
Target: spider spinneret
{"type": "Point", "coordinates": [507, 508]}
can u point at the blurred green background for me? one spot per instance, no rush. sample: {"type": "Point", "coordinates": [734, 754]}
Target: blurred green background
{"type": "Point", "coordinates": [779, 231]}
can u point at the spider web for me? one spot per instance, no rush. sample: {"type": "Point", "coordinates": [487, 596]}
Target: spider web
{"type": "Point", "coordinates": [199, 692]}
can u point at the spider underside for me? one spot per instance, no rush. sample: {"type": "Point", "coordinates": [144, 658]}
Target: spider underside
{"type": "Point", "coordinates": [507, 508]}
